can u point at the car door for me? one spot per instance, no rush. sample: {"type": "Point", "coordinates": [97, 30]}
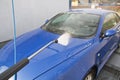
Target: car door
{"type": "Point", "coordinates": [108, 44]}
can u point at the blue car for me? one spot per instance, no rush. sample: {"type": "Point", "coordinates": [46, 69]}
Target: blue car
{"type": "Point", "coordinates": [83, 41]}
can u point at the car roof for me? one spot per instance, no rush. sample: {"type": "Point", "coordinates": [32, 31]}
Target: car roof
{"type": "Point", "coordinates": [92, 11]}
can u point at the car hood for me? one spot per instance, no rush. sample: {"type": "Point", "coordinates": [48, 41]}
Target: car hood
{"type": "Point", "coordinates": [52, 56]}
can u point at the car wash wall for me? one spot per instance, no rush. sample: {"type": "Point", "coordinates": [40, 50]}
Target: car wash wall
{"type": "Point", "coordinates": [29, 15]}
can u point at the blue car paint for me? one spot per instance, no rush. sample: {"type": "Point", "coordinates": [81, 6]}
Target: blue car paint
{"type": "Point", "coordinates": [54, 54]}
{"type": "Point", "coordinates": [58, 62]}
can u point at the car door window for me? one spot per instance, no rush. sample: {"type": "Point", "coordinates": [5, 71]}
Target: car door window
{"type": "Point", "coordinates": [109, 22]}
{"type": "Point", "coordinates": [117, 18]}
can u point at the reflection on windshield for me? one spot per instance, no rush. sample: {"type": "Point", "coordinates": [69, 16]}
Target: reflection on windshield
{"type": "Point", "coordinates": [77, 24]}
{"type": "Point", "coordinates": [3, 43]}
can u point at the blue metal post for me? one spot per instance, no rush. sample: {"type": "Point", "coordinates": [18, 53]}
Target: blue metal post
{"type": "Point", "coordinates": [14, 25]}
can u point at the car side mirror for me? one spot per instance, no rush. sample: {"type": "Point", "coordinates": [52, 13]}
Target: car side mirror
{"type": "Point", "coordinates": [46, 21]}
{"type": "Point", "coordinates": [109, 33]}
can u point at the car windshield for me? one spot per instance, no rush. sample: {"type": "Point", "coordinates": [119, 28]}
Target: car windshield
{"type": "Point", "coordinates": [76, 24]}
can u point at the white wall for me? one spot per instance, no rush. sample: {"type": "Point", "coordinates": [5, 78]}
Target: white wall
{"type": "Point", "coordinates": [6, 29]}
{"type": "Point", "coordinates": [30, 14]}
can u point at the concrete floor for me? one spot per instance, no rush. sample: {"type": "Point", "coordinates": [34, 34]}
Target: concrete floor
{"type": "Point", "coordinates": [111, 71]}
{"type": "Point", "coordinates": [108, 73]}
